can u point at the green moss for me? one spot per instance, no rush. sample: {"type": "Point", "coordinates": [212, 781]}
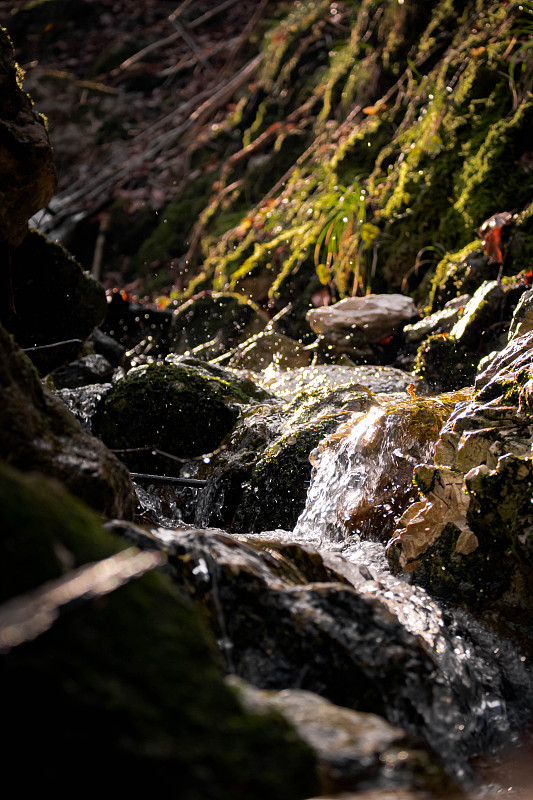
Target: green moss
{"type": "Point", "coordinates": [185, 410]}
{"type": "Point", "coordinates": [130, 676]}
{"type": "Point", "coordinates": [491, 169]}
{"type": "Point", "coordinates": [44, 527]}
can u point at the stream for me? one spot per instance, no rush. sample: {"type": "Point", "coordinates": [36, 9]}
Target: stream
{"type": "Point", "coordinates": [473, 701]}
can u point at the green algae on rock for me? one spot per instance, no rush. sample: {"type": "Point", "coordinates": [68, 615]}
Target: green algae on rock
{"type": "Point", "coordinates": [125, 674]}
{"type": "Point", "coordinates": [182, 407]}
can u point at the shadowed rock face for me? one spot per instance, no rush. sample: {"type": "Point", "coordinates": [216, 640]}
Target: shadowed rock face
{"type": "Point", "coordinates": [109, 676]}
{"type": "Point", "coordinates": [27, 172]}
{"type": "Point", "coordinates": [54, 299]}
{"type": "Point", "coordinates": [38, 433]}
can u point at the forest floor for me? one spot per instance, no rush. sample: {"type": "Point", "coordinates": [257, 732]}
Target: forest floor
{"type": "Point", "coordinates": [119, 79]}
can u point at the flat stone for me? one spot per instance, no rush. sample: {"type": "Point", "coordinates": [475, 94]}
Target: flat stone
{"type": "Point", "coordinates": [376, 315]}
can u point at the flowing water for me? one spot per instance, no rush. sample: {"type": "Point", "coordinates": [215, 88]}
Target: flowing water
{"type": "Point", "coordinates": [361, 482]}
{"type": "Point", "coordinates": [485, 685]}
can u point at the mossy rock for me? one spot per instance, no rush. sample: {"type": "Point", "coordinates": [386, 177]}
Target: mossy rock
{"type": "Point", "coordinates": [476, 580]}
{"type": "Point", "coordinates": [44, 529]}
{"type": "Point", "coordinates": [443, 364]}
{"type": "Point", "coordinates": [54, 299]}
{"type": "Point", "coordinates": [182, 408]}
{"type": "Point", "coordinates": [277, 489]}
{"type": "Point", "coordinates": [123, 684]}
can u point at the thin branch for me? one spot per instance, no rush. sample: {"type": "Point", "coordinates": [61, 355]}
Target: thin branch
{"type": "Point", "coordinates": [145, 478]}
{"type": "Point", "coordinates": [186, 36]}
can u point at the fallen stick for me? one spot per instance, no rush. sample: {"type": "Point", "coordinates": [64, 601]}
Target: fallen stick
{"type": "Point", "coordinates": [145, 478]}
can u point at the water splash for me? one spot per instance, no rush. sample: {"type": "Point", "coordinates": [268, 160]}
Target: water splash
{"type": "Point", "coordinates": [362, 477]}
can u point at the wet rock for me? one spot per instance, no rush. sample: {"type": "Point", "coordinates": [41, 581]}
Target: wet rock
{"type": "Point", "coordinates": [38, 433]}
{"type": "Point", "coordinates": [270, 349]}
{"type": "Point", "coordinates": [82, 694]}
{"type": "Point", "coordinates": [108, 347]}
{"type": "Point", "coordinates": [514, 358]}
{"type": "Point", "coordinates": [182, 407]}
{"type": "Point", "coordinates": [27, 172]}
{"type": "Point", "coordinates": [354, 749]}
{"type": "Point", "coordinates": [376, 316]}
{"type": "Point", "coordinates": [363, 473]}
{"type": "Point", "coordinates": [449, 361]}
{"type": "Point", "coordinates": [267, 464]}
{"type": "Point", "coordinates": [438, 322]}
{"type": "Point", "coordinates": [287, 618]}
{"type": "Point", "coordinates": [82, 372]}
{"type": "Point", "coordinates": [289, 383]}
{"type": "Point", "coordinates": [54, 299]}
{"type": "Point", "coordinates": [84, 401]}
{"type": "Point", "coordinates": [222, 319]}
{"type": "Point", "coordinates": [522, 321]}
{"type": "Point", "coordinates": [469, 539]}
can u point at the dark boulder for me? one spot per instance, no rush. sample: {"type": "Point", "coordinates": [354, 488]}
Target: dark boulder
{"type": "Point", "coordinates": [54, 299]}
{"type": "Point", "coordinates": [182, 407]}
{"type": "Point", "coordinates": [109, 677]}
{"type": "Point", "coordinates": [27, 172]}
{"type": "Point", "coordinates": [38, 433]}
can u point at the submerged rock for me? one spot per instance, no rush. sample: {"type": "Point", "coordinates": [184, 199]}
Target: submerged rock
{"type": "Point", "coordinates": [267, 456]}
{"type": "Point", "coordinates": [38, 433]}
{"type": "Point", "coordinates": [84, 371]}
{"type": "Point", "coordinates": [363, 473]}
{"type": "Point", "coordinates": [108, 674]}
{"type": "Point", "coordinates": [285, 617]}
{"type": "Point", "coordinates": [354, 749]}
{"type": "Point", "coordinates": [289, 383]}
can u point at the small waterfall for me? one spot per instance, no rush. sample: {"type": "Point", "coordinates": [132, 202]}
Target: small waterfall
{"type": "Point", "coordinates": [362, 477]}
{"type": "Point", "coordinates": [361, 482]}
